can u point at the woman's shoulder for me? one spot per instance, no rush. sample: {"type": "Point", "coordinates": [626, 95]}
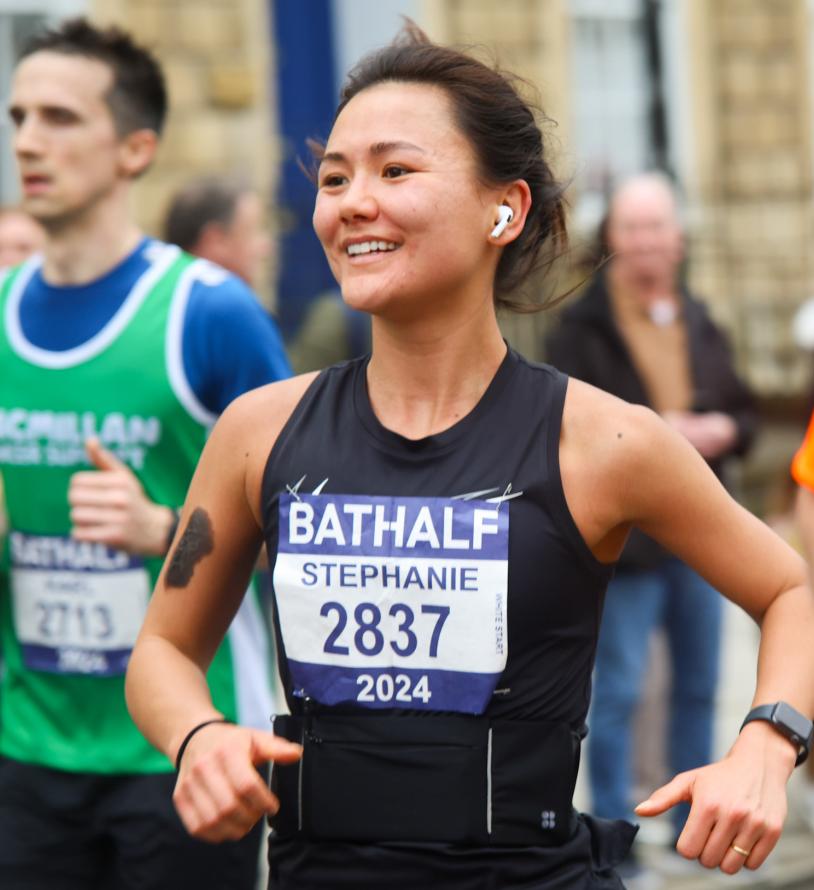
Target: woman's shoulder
{"type": "Point", "coordinates": [276, 396]}
{"type": "Point", "coordinates": [250, 425]}
{"type": "Point", "coordinates": [247, 430]}
{"type": "Point", "coordinates": [597, 418]}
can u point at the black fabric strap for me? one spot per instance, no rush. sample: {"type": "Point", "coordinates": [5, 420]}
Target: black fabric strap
{"type": "Point", "coordinates": [188, 737]}
{"type": "Point", "coordinates": [791, 724]}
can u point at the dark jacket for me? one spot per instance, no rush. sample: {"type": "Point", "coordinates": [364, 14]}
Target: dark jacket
{"type": "Point", "coordinates": [587, 344]}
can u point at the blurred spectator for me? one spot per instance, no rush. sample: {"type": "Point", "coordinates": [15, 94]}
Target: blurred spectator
{"type": "Point", "coordinates": [638, 334]}
{"type": "Point", "coordinates": [20, 236]}
{"type": "Point", "coordinates": [802, 469]}
{"type": "Point", "coordinates": [330, 332]}
{"type": "Point", "coordinates": [221, 219]}
{"type": "Point", "coordinates": [117, 354]}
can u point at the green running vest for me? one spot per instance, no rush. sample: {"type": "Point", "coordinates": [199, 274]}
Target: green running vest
{"type": "Point", "coordinates": [70, 611]}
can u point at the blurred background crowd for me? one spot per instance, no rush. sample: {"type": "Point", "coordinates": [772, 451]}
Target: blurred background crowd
{"type": "Point", "coordinates": [719, 96]}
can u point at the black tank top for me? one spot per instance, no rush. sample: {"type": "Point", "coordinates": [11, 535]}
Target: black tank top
{"type": "Point", "coordinates": [502, 459]}
{"type": "Point", "coordinates": [420, 529]}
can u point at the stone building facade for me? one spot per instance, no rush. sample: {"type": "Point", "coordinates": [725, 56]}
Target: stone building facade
{"type": "Point", "coordinates": [753, 238]}
{"type": "Point", "coordinates": [748, 174]}
{"type": "Point", "coordinates": [217, 56]}
{"type": "Point", "coordinates": [743, 128]}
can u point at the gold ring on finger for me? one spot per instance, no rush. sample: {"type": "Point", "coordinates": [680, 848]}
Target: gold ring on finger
{"type": "Point", "coordinates": [740, 851]}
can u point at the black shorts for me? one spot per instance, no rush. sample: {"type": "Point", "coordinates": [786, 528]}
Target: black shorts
{"type": "Point", "coordinates": [83, 831]}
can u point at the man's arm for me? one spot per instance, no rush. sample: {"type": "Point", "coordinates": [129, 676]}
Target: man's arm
{"type": "Point", "coordinates": [230, 345]}
{"type": "Point", "coordinates": [725, 414]}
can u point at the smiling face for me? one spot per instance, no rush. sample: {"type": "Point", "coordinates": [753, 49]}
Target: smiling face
{"type": "Point", "coordinates": [400, 211]}
{"type": "Point", "coordinates": [68, 152]}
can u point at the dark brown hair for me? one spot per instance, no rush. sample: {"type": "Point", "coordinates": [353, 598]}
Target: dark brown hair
{"type": "Point", "coordinates": [206, 200]}
{"type": "Point", "coordinates": [138, 97]}
{"type": "Point", "coordinates": [501, 127]}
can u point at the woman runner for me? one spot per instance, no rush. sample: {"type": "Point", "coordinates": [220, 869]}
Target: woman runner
{"type": "Point", "coordinates": [442, 518]}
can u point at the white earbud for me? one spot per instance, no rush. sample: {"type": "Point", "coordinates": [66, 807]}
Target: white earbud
{"type": "Point", "coordinates": [505, 216]}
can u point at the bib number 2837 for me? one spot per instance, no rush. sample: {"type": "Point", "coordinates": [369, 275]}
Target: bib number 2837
{"type": "Point", "coordinates": [393, 602]}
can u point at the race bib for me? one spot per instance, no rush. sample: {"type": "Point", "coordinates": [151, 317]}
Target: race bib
{"type": "Point", "coordinates": [393, 601]}
{"type": "Point", "coordinates": [78, 607]}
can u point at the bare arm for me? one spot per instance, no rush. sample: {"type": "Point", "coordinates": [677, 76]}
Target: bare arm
{"type": "Point", "coordinates": [626, 468]}
{"type": "Point", "coordinates": [804, 514]}
{"type": "Point", "coordinates": [218, 795]}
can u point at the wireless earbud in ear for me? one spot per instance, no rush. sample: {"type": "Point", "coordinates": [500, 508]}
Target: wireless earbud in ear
{"type": "Point", "coordinates": [505, 216]}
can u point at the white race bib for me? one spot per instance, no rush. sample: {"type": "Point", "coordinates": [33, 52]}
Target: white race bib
{"type": "Point", "coordinates": [78, 607]}
{"type": "Point", "coordinates": [393, 601]}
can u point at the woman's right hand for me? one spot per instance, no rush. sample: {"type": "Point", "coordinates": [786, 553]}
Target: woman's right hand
{"type": "Point", "coordinates": [219, 794]}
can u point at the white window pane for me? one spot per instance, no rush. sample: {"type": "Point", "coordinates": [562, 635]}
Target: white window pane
{"type": "Point", "coordinates": [610, 99]}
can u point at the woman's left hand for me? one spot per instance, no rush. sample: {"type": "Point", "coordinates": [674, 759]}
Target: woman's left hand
{"type": "Point", "coordinates": [738, 802]}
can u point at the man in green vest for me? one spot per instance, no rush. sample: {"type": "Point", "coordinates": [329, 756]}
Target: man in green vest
{"type": "Point", "coordinates": [117, 352]}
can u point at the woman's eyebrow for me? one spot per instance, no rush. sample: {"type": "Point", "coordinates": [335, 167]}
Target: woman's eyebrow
{"type": "Point", "coordinates": [378, 148]}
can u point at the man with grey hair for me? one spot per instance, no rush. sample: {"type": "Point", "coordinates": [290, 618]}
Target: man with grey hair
{"type": "Point", "coordinates": [638, 334]}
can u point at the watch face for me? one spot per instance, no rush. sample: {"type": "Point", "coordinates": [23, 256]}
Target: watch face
{"type": "Point", "coordinates": [793, 720]}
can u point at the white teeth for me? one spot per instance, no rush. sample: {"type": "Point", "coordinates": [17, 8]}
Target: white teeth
{"type": "Point", "coordinates": [370, 247]}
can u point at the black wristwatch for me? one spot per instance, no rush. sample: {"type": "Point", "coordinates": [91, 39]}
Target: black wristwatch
{"type": "Point", "coordinates": [796, 727]}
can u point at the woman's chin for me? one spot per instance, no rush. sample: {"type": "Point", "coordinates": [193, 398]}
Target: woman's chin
{"type": "Point", "coordinates": [364, 302]}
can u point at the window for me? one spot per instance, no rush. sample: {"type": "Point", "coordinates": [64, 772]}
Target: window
{"type": "Point", "coordinates": [622, 70]}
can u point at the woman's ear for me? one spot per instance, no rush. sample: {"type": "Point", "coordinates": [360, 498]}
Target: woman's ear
{"type": "Point", "coordinates": [511, 212]}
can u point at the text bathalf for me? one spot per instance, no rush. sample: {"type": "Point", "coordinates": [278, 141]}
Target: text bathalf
{"type": "Point", "coordinates": [394, 526]}
{"type": "Point", "coordinates": [57, 553]}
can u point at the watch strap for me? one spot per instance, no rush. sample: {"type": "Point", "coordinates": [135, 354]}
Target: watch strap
{"type": "Point", "coordinates": [801, 737]}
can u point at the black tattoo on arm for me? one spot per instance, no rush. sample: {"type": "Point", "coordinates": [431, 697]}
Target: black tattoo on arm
{"type": "Point", "coordinates": [196, 542]}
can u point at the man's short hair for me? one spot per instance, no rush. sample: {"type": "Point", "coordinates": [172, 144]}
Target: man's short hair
{"type": "Point", "coordinates": [138, 97]}
{"type": "Point", "coordinates": [210, 199]}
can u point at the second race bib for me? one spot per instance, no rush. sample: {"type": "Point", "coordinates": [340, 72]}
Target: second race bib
{"type": "Point", "coordinates": [78, 607]}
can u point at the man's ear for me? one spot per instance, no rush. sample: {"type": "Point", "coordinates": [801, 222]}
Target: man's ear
{"type": "Point", "coordinates": [212, 243]}
{"type": "Point", "coordinates": [137, 151]}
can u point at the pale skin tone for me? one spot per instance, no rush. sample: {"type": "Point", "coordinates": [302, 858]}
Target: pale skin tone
{"type": "Point", "coordinates": [76, 174]}
{"type": "Point", "coordinates": [395, 170]}
{"type": "Point", "coordinates": [647, 243]}
{"type": "Point", "coordinates": [20, 236]}
{"type": "Point", "coordinates": [804, 514]}
{"type": "Point", "coordinates": [242, 245]}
